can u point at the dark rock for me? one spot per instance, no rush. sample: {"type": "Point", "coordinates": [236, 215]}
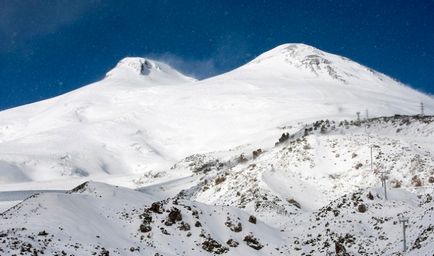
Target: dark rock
{"type": "Point", "coordinates": [361, 208]}
{"type": "Point", "coordinates": [156, 208]}
{"type": "Point", "coordinates": [104, 252]}
{"type": "Point", "coordinates": [80, 188]}
{"type": "Point", "coordinates": [184, 226]}
{"type": "Point", "coordinates": [220, 179]}
{"type": "Point", "coordinates": [253, 242]}
{"type": "Point", "coordinates": [174, 216]}
{"type": "Point", "coordinates": [43, 233]}
{"type": "Point", "coordinates": [242, 159]}
{"type": "Point", "coordinates": [256, 153]}
{"type": "Point", "coordinates": [164, 231]}
{"type": "Point", "coordinates": [293, 202]}
{"type": "Point", "coordinates": [145, 228]}
{"type": "Point", "coordinates": [232, 243]}
{"type": "Point", "coordinates": [395, 183]}
{"type": "Point", "coordinates": [252, 219]}
{"type": "Point", "coordinates": [211, 245]}
{"type": "Point", "coordinates": [416, 181]}
{"type": "Point", "coordinates": [340, 249]}
{"type": "Point", "coordinates": [234, 227]}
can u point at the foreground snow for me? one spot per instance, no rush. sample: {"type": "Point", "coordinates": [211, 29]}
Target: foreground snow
{"type": "Point", "coordinates": [102, 219]}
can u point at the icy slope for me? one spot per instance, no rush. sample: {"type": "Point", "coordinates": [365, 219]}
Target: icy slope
{"type": "Point", "coordinates": [146, 116]}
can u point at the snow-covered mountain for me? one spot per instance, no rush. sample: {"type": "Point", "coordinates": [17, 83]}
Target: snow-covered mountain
{"type": "Point", "coordinates": [130, 123]}
{"type": "Point", "coordinates": [269, 158]}
{"type": "Point", "coordinates": [139, 71]}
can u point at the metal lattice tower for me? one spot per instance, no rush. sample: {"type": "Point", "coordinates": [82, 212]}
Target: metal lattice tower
{"type": "Point", "coordinates": [372, 146]}
{"type": "Point", "coordinates": [422, 109]}
{"type": "Point", "coordinates": [404, 221]}
{"type": "Point", "coordinates": [384, 179]}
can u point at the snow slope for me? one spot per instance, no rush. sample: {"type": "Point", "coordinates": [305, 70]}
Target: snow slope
{"type": "Point", "coordinates": [312, 193]}
{"type": "Point", "coordinates": [146, 116]}
{"type": "Point", "coordinates": [98, 218]}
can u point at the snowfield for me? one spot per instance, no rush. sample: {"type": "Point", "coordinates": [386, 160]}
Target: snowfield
{"type": "Point", "coordinates": [268, 159]}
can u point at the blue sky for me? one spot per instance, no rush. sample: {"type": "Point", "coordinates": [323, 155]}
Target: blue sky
{"type": "Point", "coordinates": [51, 47]}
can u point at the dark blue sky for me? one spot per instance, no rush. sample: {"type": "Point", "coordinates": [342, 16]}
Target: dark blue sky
{"type": "Point", "coordinates": [51, 47]}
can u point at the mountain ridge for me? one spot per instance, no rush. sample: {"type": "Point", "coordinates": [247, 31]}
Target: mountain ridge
{"type": "Point", "coordinates": [151, 71]}
{"type": "Point", "coordinates": [128, 123]}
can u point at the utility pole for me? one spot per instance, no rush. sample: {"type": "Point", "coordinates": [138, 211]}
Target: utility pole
{"type": "Point", "coordinates": [366, 125]}
{"type": "Point", "coordinates": [358, 117]}
{"type": "Point", "coordinates": [367, 133]}
{"type": "Point", "coordinates": [371, 157]}
{"type": "Point", "coordinates": [422, 109]}
{"type": "Point", "coordinates": [384, 178]}
{"type": "Point", "coordinates": [372, 162]}
{"type": "Point", "coordinates": [404, 221]}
